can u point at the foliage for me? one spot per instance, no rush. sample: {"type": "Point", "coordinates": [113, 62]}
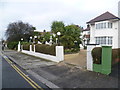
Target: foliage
{"type": "Point", "coordinates": [67, 41]}
{"type": "Point", "coordinates": [71, 34]}
{"type": "Point", "coordinates": [24, 43]}
{"type": "Point", "coordinates": [97, 55]}
{"type": "Point", "coordinates": [26, 46]}
{"type": "Point", "coordinates": [47, 36]}
{"type": "Point", "coordinates": [12, 45]}
{"type": "Point", "coordinates": [57, 26]}
{"type": "Point", "coordinates": [72, 50]}
{"type": "Point", "coordinates": [17, 30]}
{"type": "Point", "coordinates": [44, 37]}
{"type": "Point", "coordinates": [46, 49]}
{"type": "Point", "coordinates": [36, 33]}
{"type": "Point", "coordinates": [115, 56]}
{"type": "Point", "coordinates": [85, 47]}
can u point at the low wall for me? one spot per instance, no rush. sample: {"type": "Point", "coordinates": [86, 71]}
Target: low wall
{"type": "Point", "coordinates": [89, 56]}
{"type": "Point", "coordinates": [59, 54]}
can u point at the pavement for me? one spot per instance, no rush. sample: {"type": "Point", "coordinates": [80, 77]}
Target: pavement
{"type": "Point", "coordinates": [63, 75]}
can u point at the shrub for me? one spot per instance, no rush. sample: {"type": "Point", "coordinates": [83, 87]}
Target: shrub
{"type": "Point", "coordinates": [97, 55]}
{"type": "Point", "coordinates": [67, 51]}
{"type": "Point", "coordinates": [12, 45]}
{"type": "Point", "coordinates": [46, 49]}
{"type": "Point", "coordinates": [52, 49]}
{"type": "Point", "coordinates": [85, 47]}
{"type": "Point", "coordinates": [72, 50]}
{"type": "Point", "coordinates": [115, 56]}
{"type": "Point", "coordinates": [26, 46]}
{"type": "Point", "coordinates": [23, 43]}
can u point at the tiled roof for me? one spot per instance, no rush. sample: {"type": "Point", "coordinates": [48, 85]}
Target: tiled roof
{"type": "Point", "coordinates": [104, 16]}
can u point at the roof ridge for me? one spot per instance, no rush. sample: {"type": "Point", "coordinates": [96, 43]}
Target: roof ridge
{"type": "Point", "coordinates": [105, 16]}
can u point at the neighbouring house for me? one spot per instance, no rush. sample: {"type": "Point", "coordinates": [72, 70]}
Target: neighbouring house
{"type": "Point", "coordinates": [104, 30]}
{"type": "Point", "coordinates": [86, 36]}
{"type": "Point", "coordinates": [119, 24]}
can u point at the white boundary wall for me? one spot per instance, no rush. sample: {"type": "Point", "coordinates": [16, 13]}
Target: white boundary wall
{"type": "Point", "coordinates": [59, 54]}
{"type": "Point", "coordinates": [19, 47]}
{"type": "Point", "coordinates": [89, 56]}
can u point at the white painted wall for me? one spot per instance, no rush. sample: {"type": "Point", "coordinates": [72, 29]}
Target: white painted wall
{"type": "Point", "coordinates": [92, 34]}
{"type": "Point", "coordinates": [19, 46]}
{"type": "Point", "coordinates": [89, 56]}
{"type": "Point", "coordinates": [105, 32]}
{"type": "Point", "coordinates": [85, 33]}
{"type": "Point", "coordinates": [119, 24]}
{"type": "Point", "coordinates": [30, 48]}
{"type": "Point", "coordinates": [59, 54]}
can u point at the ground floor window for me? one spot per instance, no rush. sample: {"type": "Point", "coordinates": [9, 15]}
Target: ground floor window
{"type": "Point", "coordinates": [104, 40]}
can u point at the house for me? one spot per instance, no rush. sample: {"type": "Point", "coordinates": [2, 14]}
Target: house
{"type": "Point", "coordinates": [104, 30]}
{"type": "Point", "coordinates": [119, 24]}
{"type": "Point", "coordinates": [86, 36]}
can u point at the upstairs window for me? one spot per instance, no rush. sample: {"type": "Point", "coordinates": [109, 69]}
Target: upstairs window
{"type": "Point", "coordinates": [104, 25]}
{"type": "Point", "coordinates": [109, 25]}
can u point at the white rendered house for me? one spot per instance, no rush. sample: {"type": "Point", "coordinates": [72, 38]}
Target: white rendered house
{"type": "Point", "coordinates": [104, 30]}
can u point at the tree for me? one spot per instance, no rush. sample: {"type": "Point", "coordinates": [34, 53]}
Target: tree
{"type": "Point", "coordinates": [71, 36]}
{"type": "Point", "coordinates": [57, 26]}
{"type": "Point", "coordinates": [47, 36]}
{"type": "Point", "coordinates": [17, 30]}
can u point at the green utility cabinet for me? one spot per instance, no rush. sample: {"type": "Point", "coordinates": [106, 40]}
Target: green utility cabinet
{"type": "Point", "coordinates": [105, 66]}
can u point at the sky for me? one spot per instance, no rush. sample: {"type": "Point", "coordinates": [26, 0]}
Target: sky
{"type": "Point", "coordinates": [41, 13]}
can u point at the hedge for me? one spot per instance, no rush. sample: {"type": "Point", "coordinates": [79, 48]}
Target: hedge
{"type": "Point", "coordinates": [116, 55]}
{"type": "Point", "coordinates": [26, 46]}
{"type": "Point", "coordinates": [46, 49]}
{"type": "Point", "coordinates": [97, 55]}
{"type": "Point", "coordinates": [12, 45]}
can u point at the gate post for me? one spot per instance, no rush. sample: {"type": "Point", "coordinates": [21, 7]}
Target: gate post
{"type": "Point", "coordinates": [89, 56]}
{"type": "Point", "coordinates": [34, 48]}
{"type": "Point", "coordinates": [30, 48]}
{"type": "Point", "coordinates": [106, 59]}
{"type": "Point", "coordinates": [19, 46]}
{"type": "Point", "coordinates": [60, 53]}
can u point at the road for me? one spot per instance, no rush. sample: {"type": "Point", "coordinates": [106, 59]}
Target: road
{"type": "Point", "coordinates": [12, 76]}
{"type": "Point", "coordinates": [11, 79]}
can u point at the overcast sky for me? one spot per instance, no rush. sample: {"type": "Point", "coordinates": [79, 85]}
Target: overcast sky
{"type": "Point", "coordinates": [41, 13]}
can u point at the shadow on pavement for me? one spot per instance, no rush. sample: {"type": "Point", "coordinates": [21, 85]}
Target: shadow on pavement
{"type": "Point", "coordinates": [115, 70]}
